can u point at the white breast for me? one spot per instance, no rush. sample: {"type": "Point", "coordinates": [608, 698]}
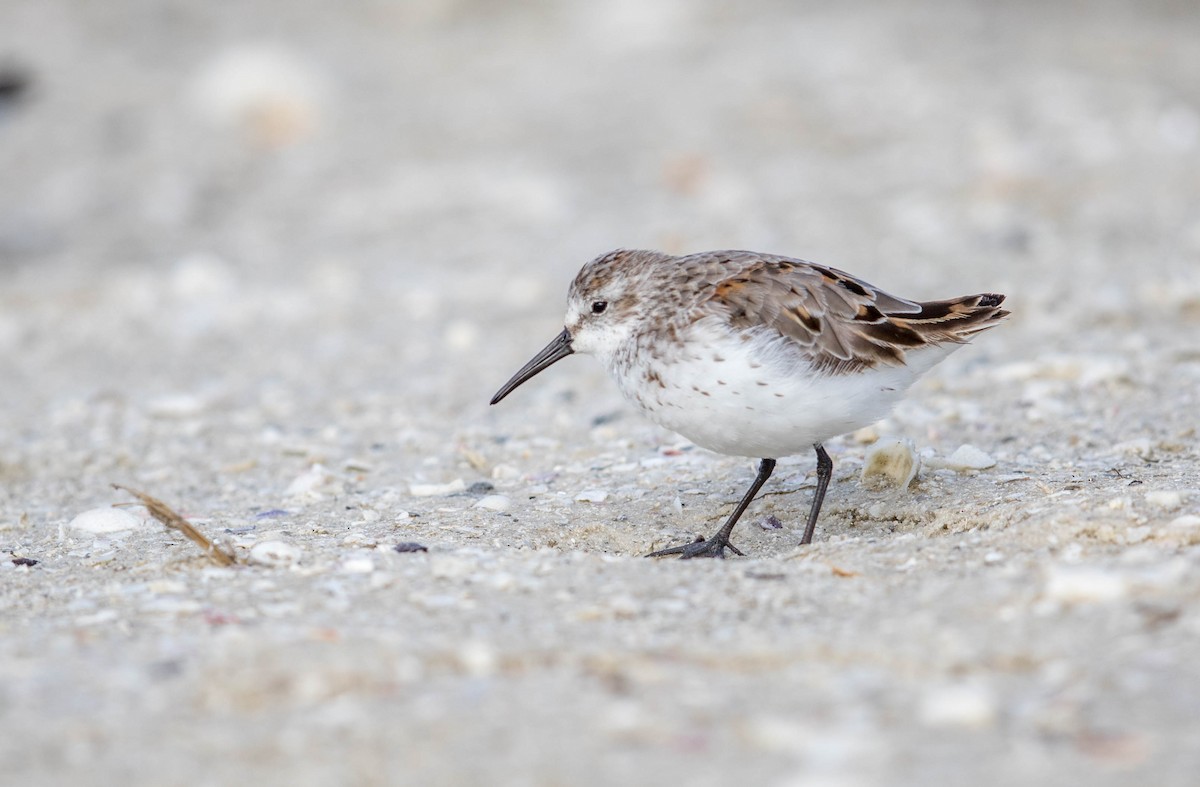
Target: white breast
{"type": "Point", "coordinates": [757, 396]}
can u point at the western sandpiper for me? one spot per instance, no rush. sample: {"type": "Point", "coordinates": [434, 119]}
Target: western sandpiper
{"type": "Point", "coordinates": [754, 355]}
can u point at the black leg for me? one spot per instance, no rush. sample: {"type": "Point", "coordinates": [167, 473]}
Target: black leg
{"type": "Point", "coordinates": [824, 473]}
{"type": "Point", "coordinates": [716, 546]}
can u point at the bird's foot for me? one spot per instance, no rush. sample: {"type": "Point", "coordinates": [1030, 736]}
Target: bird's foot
{"type": "Point", "coordinates": [701, 547]}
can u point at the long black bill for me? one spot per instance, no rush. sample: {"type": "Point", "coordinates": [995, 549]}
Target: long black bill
{"type": "Point", "coordinates": [554, 351]}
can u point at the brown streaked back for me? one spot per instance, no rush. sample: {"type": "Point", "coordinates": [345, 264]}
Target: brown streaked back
{"type": "Point", "coordinates": [840, 322]}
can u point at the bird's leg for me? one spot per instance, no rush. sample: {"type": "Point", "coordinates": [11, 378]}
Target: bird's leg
{"type": "Point", "coordinates": [824, 473]}
{"type": "Point", "coordinates": [716, 546]}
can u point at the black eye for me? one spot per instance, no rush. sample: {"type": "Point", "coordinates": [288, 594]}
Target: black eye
{"type": "Point", "coordinates": [599, 306]}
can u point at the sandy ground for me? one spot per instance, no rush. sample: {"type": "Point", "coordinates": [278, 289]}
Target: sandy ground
{"type": "Point", "coordinates": [269, 262]}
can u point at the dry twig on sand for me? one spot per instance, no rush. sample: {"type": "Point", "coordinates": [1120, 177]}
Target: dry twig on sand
{"type": "Point", "coordinates": [163, 513]}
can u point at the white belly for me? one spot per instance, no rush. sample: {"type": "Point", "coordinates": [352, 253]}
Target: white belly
{"type": "Point", "coordinates": [758, 398]}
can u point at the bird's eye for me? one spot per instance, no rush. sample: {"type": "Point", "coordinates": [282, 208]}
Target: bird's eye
{"type": "Point", "coordinates": [599, 306]}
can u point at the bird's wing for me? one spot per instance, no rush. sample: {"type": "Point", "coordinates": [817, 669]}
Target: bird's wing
{"type": "Point", "coordinates": [841, 323]}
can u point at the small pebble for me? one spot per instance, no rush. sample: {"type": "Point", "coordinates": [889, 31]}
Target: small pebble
{"type": "Point", "coordinates": [410, 546]}
{"type": "Point", "coordinates": [433, 490]}
{"type": "Point", "coordinates": [1140, 447]}
{"type": "Point", "coordinates": [105, 520]}
{"type": "Point", "coordinates": [891, 462]}
{"type": "Point", "coordinates": [505, 473]}
{"type": "Point", "coordinates": [313, 483]}
{"type": "Point", "coordinates": [866, 435]}
{"type": "Point", "coordinates": [1073, 585]}
{"type": "Point", "coordinates": [625, 606]}
{"type": "Point", "coordinates": [1184, 529]}
{"type": "Point", "coordinates": [770, 522]}
{"type": "Point", "coordinates": [494, 503]}
{"type": "Point", "coordinates": [1136, 535]}
{"type": "Point", "coordinates": [1164, 498]}
{"type": "Point", "coordinates": [478, 659]}
{"type": "Point", "coordinates": [272, 513]}
{"type": "Point", "coordinates": [358, 565]}
{"type": "Point", "coordinates": [381, 579]}
{"type": "Point", "coordinates": [591, 496]}
{"type": "Point", "coordinates": [481, 488]}
{"type": "Point", "coordinates": [502, 580]}
{"type": "Point", "coordinates": [275, 553]}
{"type": "Point", "coordinates": [628, 720]}
{"type": "Point", "coordinates": [958, 706]}
{"type": "Point", "coordinates": [965, 458]}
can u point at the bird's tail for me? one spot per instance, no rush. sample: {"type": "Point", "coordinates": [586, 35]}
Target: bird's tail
{"type": "Point", "coordinates": [956, 319]}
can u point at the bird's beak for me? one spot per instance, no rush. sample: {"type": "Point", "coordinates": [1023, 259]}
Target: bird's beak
{"type": "Point", "coordinates": [554, 351]}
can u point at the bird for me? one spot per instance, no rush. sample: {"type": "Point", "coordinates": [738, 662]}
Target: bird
{"type": "Point", "coordinates": [754, 355]}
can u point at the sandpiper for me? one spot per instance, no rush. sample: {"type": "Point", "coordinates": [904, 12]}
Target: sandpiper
{"type": "Point", "coordinates": [754, 355]}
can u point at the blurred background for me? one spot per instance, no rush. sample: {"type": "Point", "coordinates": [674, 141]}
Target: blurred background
{"type": "Point", "coordinates": [283, 205]}
{"type": "Point", "coordinates": [240, 240]}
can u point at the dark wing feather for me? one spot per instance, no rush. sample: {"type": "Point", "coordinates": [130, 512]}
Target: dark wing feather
{"type": "Point", "coordinates": [840, 322]}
